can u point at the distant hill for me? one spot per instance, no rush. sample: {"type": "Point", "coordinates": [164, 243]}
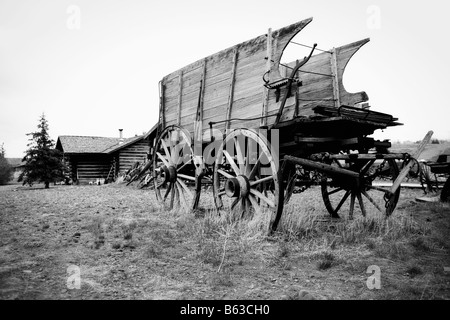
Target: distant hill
{"type": "Point", "coordinates": [431, 152]}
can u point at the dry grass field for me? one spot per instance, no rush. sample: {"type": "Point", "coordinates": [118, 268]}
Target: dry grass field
{"type": "Point", "coordinates": [431, 152]}
{"type": "Point", "coordinates": [123, 245]}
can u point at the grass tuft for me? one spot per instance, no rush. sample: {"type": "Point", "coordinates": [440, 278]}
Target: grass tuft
{"type": "Point", "coordinates": [414, 270]}
{"type": "Point", "coordinates": [325, 260]}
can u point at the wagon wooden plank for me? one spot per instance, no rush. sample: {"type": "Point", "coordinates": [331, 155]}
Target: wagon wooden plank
{"type": "Point", "coordinates": [180, 93]}
{"type": "Point", "coordinates": [344, 54]}
{"type": "Point", "coordinates": [230, 97]}
{"type": "Point", "coordinates": [247, 59]}
{"type": "Point", "coordinates": [233, 86]}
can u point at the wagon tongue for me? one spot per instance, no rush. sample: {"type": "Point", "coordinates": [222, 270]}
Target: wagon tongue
{"type": "Point", "coordinates": [409, 165]}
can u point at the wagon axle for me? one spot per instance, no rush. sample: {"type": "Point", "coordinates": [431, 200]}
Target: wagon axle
{"type": "Point", "coordinates": [237, 187]}
{"type": "Point", "coordinates": [168, 173]}
{"type": "Point", "coordinates": [361, 183]}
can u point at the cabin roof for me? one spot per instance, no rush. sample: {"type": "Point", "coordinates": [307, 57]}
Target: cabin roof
{"type": "Point", "coordinates": [85, 144]}
{"type": "Point", "coordinates": [15, 162]}
{"type": "Point", "coordinates": [129, 141]}
{"type": "Point", "coordinates": [91, 144]}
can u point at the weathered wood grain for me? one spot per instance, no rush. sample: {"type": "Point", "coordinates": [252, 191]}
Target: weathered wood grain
{"type": "Point", "coordinates": [137, 152]}
{"type": "Point", "coordinates": [233, 86]}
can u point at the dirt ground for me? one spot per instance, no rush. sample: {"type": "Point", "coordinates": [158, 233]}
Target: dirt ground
{"type": "Point", "coordinates": [119, 244]}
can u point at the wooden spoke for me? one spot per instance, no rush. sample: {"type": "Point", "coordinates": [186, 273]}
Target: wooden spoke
{"type": "Point", "coordinates": [184, 186]}
{"type": "Point", "coordinates": [175, 152]}
{"type": "Point", "coordinates": [235, 202]}
{"type": "Point", "coordinates": [164, 160]}
{"type": "Point", "coordinates": [184, 165]}
{"type": "Point", "coordinates": [361, 203]}
{"type": "Point", "coordinates": [335, 190]}
{"type": "Point", "coordinates": [178, 158]}
{"type": "Point", "coordinates": [343, 200]}
{"type": "Point", "coordinates": [253, 183]}
{"type": "Point", "coordinates": [180, 192]}
{"type": "Point", "coordinates": [246, 206]}
{"type": "Point", "coordinates": [168, 190]}
{"type": "Point", "coordinates": [225, 174]}
{"type": "Point", "coordinates": [166, 149]}
{"type": "Point", "coordinates": [254, 203]}
{"type": "Point", "coordinates": [262, 197]}
{"type": "Point", "coordinates": [172, 197]}
{"type": "Point", "coordinates": [352, 205]}
{"type": "Point", "coordinates": [176, 194]}
{"type": "Point", "coordinates": [371, 200]}
{"type": "Point", "coordinates": [239, 154]}
{"type": "Point", "coordinates": [250, 148]}
{"type": "Point", "coordinates": [249, 204]}
{"type": "Point", "coordinates": [231, 161]}
{"type": "Point", "coordinates": [255, 167]}
{"type": "Point", "coordinates": [185, 177]}
{"type": "Point", "coordinates": [243, 206]}
{"type": "Point", "coordinates": [171, 149]}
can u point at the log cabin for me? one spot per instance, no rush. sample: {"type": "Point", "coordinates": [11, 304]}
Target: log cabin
{"type": "Point", "coordinates": [17, 165]}
{"type": "Point", "coordinates": [91, 158]}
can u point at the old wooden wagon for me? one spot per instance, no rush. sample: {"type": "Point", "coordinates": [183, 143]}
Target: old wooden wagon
{"type": "Point", "coordinates": [258, 130]}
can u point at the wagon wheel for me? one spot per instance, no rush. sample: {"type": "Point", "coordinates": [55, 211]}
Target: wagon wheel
{"type": "Point", "coordinates": [245, 179]}
{"type": "Point", "coordinates": [173, 168]}
{"type": "Point", "coordinates": [338, 192]}
{"type": "Point", "coordinates": [426, 180]}
{"type": "Point", "coordinates": [414, 172]}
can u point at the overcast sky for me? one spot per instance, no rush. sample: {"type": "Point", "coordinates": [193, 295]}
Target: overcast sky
{"type": "Point", "coordinates": [93, 66]}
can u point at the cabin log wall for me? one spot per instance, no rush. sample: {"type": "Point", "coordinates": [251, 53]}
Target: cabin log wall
{"type": "Point", "coordinates": [89, 167]}
{"type": "Point", "coordinates": [136, 152]}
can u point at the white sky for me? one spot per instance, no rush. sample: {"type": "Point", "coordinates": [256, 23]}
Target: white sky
{"type": "Point", "coordinates": [104, 75]}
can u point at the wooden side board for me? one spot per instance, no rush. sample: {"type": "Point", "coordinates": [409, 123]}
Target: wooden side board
{"type": "Point", "coordinates": [229, 84]}
{"type": "Point", "coordinates": [321, 83]}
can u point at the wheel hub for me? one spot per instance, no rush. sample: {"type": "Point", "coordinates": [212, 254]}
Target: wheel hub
{"type": "Point", "coordinates": [235, 187]}
{"type": "Point", "coordinates": [168, 173]}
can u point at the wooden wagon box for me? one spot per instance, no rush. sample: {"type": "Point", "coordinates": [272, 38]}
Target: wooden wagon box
{"type": "Point", "coordinates": [247, 81]}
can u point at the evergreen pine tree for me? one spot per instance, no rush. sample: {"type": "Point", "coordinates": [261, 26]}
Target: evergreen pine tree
{"type": "Point", "coordinates": [42, 161]}
{"type": "Point", "coordinates": [6, 170]}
